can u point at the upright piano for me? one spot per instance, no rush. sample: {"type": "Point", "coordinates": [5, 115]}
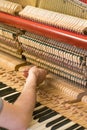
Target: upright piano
{"type": "Point", "coordinates": [51, 34]}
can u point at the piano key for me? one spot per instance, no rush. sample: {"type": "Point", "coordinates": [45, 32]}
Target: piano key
{"type": "Point", "coordinates": [66, 126]}
{"type": "Point", "coordinates": [42, 110]}
{"type": "Point", "coordinates": [4, 88]}
{"type": "Point", "coordinates": [9, 96]}
{"type": "Point", "coordinates": [29, 129]}
{"type": "Point", "coordinates": [45, 117]}
{"type": "Point", "coordinates": [42, 125]}
{"type": "Point", "coordinates": [42, 114]}
{"type": "Point", "coordinates": [39, 107]}
{"type": "Point", "coordinates": [6, 91]}
{"type": "Point", "coordinates": [73, 127]}
{"type": "Point", "coordinates": [2, 85]}
{"type": "Point", "coordinates": [35, 121]}
{"type": "Point", "coordinates": [12, 97]}
{"type": "Point", "coordinates": [37, 104]}
{"type": "Point", "coordinates": [55, 121]}
{"type": "Point", "coordinates": [57, 126]}
{"type": "Point", "coordinates": [80, 128]}
{"type": "Point", "coordinates": [39, 110]}
{"type": "Point", "coordinates": [12, 100]}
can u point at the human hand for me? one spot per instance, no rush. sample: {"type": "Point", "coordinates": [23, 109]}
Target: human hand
{"type": "Point", "coordinates": [37, 74]}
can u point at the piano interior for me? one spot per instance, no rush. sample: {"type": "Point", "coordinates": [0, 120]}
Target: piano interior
{"type": "Point", "coordinates": [51, 34]}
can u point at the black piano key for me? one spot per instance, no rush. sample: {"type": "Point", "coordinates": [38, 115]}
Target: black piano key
{"type": "Point", "coordinates": [42, 114]}
{"type": "Point", "coordinates": [80, 128]}
{"type": "Point", "coordinates": [13, 97]}
{"type": "Point", "coordinates": [2, 85]}
{"type": "Point", "coordinates": [37, 104]}
{"type": "Point", "coordinates": [12, 100]}
{"type": "Point", "coordinates": [55, 121]}
{"type": "Point", "coordinates": [40, 110]}
{"type": "Point", "coordinates": [6, 91]}
{"type": "Point", "coordinates": [45, 117]}
{"type": "Point", "coordinates": [73, 127]}
{"type": "Point", "coordinates": [60, 124]}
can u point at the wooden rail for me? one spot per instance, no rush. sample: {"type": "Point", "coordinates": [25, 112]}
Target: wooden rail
{"type": "Point", "coordinates": [68, 37]}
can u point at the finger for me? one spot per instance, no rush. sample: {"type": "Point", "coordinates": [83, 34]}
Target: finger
{"type": "Point", "coordinates": [26, 70]}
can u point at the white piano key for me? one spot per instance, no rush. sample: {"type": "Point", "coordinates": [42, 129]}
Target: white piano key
{"type": "Point", "coordinates": [77, 128]}
{"type": "Point", "coordinates": [41, 126]}
{"type": "Point", "coordinates": [66, 126]}
{"type": "Point", "coordinates": [4, 88]}
{"type": "Point", "coordinates": [34, 122]}
{"type": "Point", "coordinates": [37, 108]}
{"type": "Point", "coordinates": [80, 128]}
{"type": "Point", "coordinates": [9, 94]}
{"type": "Point", "coordinates": [29, 129]}
{"type": "Point", "coordinates": [49, 128]}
